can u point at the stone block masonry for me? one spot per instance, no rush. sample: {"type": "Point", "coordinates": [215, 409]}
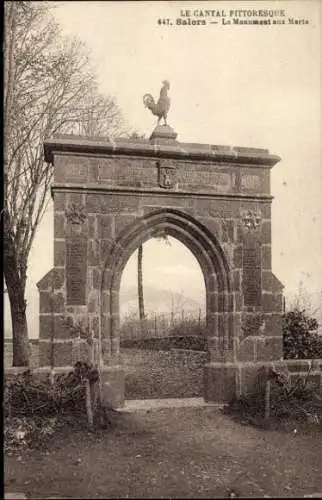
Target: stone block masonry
{"type": "Point", "coordinates": [111, 196]}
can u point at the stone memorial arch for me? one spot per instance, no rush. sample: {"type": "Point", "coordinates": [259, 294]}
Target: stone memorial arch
{"type": "Point", "coordinates": [111, 196]}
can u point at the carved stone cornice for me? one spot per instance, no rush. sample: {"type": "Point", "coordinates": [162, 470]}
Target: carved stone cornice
{"type": "Point", "coordinates": [68, 144]}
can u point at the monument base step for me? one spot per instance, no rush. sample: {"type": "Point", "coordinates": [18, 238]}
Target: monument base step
{"type": "Point", "coordinates": [132, 405]}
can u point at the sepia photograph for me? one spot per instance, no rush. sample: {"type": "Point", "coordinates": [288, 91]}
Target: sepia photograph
{"type": "Point", "coordinates": [162, 243]}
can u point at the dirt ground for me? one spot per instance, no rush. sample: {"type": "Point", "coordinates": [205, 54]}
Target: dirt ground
{"type": "Point", "coordinates": [170, 453]}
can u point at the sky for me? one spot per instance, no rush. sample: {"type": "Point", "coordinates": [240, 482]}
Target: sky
{"type": "Point", "coordinates": [239, 85]}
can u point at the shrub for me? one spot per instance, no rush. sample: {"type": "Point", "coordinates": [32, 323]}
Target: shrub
{"type": "Point", "coordinates": [189, 327]}
{"type": "Point", "coordinates": [34, 408]}
{"type": "Point", "coordinates": [27, 431]}
{"type": "Point", "coordinates": [25, 395]}
{"type": "Point", "coordinates": [160, 333]}
{"type": "Point", "coordinates": [300, 338]}
{"type": "Point", "coordinates": [162, 325]}
{"type": "Point", "coordinates": [290, 401]}
{"type": "Point", "coordinates": [167, 343]}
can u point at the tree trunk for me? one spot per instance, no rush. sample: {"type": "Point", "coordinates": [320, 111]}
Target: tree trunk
{"type": "Point", "coordinates": [140, 284]}
{"type": "Point", "coordinates": [16, 292]}
{"type": "Point", "coordinates": [20, 341]}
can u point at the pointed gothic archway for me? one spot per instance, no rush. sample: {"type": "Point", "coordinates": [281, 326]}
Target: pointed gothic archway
{"type": "Point", "coordinates": [211, 258]}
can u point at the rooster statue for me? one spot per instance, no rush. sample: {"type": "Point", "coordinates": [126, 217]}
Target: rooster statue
{"type": "Point", "coordinates": [161, 108]}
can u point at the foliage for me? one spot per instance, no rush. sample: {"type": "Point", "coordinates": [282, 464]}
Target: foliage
{"type": "Point", "coordinates": [194, 343]}
{"type": "Point", "coordinates": [162, 326]}
{"type": "Point", "coordinates": [189, 327]}
{"type": "Point", "coordinates": [23, 431]}
{"type": "Point", "coordinates": [302, 299]}
{"type": "Point", "coordinates": [26, 394]}
{"type": "Point", "coordinates": [300, 338]}
{"type": "Point", "coordinates": [34, 408]}
{"type": "Point", "coordinates": [187, 333]}
{"type": "Point", "coordinates": [290, 401]}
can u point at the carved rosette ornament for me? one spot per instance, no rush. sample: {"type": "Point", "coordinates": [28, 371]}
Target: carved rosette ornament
{"type": "Point", "coordinates": [166, 176]}
{"type": "Point", "coordinates": [251, 219]}
{"type": "Point", "coordinates": [75, 214]}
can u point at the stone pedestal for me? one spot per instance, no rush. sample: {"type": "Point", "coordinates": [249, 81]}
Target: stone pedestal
{"type": "Point", "coordinates": [220, 382]}
{"type": "Point", "coordinates": [113, 388]}
{"type": "Point", "coordinates": [162, 134]}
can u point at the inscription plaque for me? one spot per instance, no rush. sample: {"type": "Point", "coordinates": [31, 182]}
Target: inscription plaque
{"type": "Point", "coordinates": [252, 275]}
{"type": "Point", "coordinates": [76, 270]}
{"type": "Point", "coordinates": [251, 182]}
{"type": "Point", "coordinates": [76, 172]}
{"type": "Point", "coordinates": [203, 179]}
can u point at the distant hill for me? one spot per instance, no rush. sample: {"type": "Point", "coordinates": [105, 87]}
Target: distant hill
{"type": "Point", "coordinates": [159, 301]}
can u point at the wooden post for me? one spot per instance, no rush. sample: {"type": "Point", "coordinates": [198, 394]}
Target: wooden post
{"type": "Point", "coordinates": [89, 409]}
{"type": "Point", "coordinates": [267, 400]}
{"type": "Point", "coordinates": [91, 347]}
{"type": "Point", "coordinates": [96, 352]}
{"type": "Point", "coordinates": [52, 325]}
{"type": "Point", "coordinates": [78, 347]}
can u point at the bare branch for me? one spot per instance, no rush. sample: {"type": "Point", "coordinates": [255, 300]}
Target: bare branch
{"type": "Point", "coordinates": [49, 88]}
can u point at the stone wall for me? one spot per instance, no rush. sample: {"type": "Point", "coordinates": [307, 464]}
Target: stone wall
{"type": "Point", "coordinates": [8, 356]}
{"type": "Point", "coordinates": [239, 378]}
{"type": "Point", "coordinates": [163, 373]}
{"type": "Point", "coordinates": [300, 367]}
{"type": "Point", "coordinates": [112, 387]}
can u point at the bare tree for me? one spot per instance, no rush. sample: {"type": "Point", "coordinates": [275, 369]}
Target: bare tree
{"type": "Point", "coordinates": [49, 87]}
{"type": "Point", "coordinates": [162, 237]}
{"type": "Point", "coordinates": [98, 116]}
{"type": "Point", "coordinates": [140, 284]}
{"type": "Point", "coordinates": [302, 300]}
